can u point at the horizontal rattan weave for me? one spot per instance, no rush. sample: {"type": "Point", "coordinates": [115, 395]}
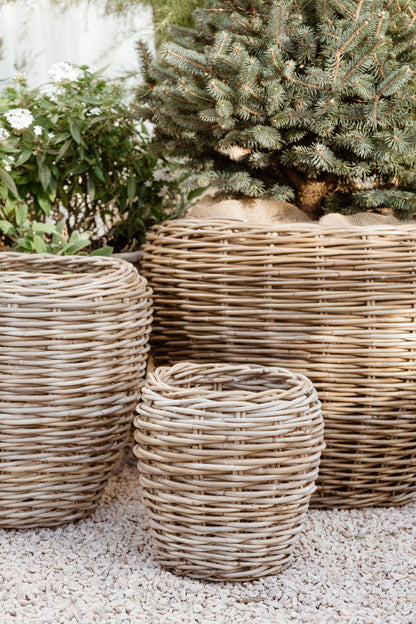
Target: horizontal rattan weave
{"type": "Point", "coordinates": [73, 348]}
{"type": "Point", "coordinates": [228, 457]}
{"type": "Point", "coordinates": [337, 305]}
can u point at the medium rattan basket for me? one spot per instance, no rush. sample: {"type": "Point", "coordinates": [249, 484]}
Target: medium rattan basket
{"type": "Point", "coordinates": [336, 305]}
{"type": "Point", "coordinates": [228, 457]}
{"type": "Point", "coordinates": [73, 348]}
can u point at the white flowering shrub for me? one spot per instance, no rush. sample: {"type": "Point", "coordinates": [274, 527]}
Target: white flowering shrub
{"type": "Point", "coordinates": [72, 149]}
{"type": "Point", "coordinates": [65, 72]}
{"type": "Point", "coordinates": [19, 118]}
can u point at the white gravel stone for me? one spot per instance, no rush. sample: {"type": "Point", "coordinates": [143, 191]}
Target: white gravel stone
{"type": "Point", "coordinates": [349, 567]}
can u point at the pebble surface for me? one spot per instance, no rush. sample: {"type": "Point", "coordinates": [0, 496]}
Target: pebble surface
{"type": "Point", "coordinates": [349, 567]}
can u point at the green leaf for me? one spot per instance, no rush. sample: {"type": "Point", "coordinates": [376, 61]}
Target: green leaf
{"type": "Point", "coordinates": [195, 193]}
{"type": "Point", "coordinates": [10, 206]}
{"type": "Point", "coordinates": [74, 246]}
{"type": "Point", "coordinates": [78, 169]}
{"type": "Point", "coordinates": [44, 203]}
{"type": "Point", "coordinates": [75, 236]}
{"type": "Point", "coordinates": [6, 227]}
{"type": "Point", "coordinates": [9, 182]}
{"type": "Point", "coordinates": [60, 226]}
{"type": "Point", "coordinates": [91, 187]}
{"type": "Point", "coordinates": [104, 251]}
{"type": "Point", "coordinates": [92, 100]}
{"type": "Point", "coordinates": [99, 173]}
{"type": "Point", "coordinates": [21, 214]}
{"type": "Point", "coordinates": [24, 156]}
{"type": "Point", "coordinates": [47, 228]}
{"type": "Point", "coordinates": [63, 150]}
{"type": "Point", "coordinates": [58, 241]}
{"type": "Point", "coordinates": [25, 244]}
{"type": "Point", "coordinates": [75, 128]}
{"type": "Point", "coordinates": [39, 244]}
{"type": "Point", "coordinates": [44, 176]}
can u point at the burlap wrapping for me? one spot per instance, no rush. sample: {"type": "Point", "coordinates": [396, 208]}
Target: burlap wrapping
{"type": "Point", "coordinates": [267, 212]}
{"type": "Point", "coordinates": [334, 219]}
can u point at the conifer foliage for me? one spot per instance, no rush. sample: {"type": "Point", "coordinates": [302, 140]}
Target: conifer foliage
{"type": "Point", "coordinates": [308, 101]}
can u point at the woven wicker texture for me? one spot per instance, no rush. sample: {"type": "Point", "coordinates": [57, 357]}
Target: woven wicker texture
{"type": "Point", "coordinates": [337, 305]}
{"type": "Point", "coordinates": [228, 456]}
{"type": "Point", "coordinates": [73, 348]}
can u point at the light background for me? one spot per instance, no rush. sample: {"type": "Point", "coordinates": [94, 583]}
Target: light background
{"type": "Point", "coordinates": [36, 34]}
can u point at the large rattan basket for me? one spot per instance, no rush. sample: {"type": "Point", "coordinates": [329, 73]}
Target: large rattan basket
{"type": "Point", "coordinates": [228, 457]}
{"type": "Point", "coordinates": [336, 305]}
{"type": "Point", "coordinates": [73, 348]}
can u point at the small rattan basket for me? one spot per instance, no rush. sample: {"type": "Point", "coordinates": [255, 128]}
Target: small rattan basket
{"type": "Point", "coordinates": [73, 347]}
{"type": "Point", "coordinates": [228, 457]}
{"type": "Point", "coordinates": [336, 304]}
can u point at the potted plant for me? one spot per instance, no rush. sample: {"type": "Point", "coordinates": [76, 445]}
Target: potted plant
{"type": "Point", "coordinates": [309, 103]}
{"type": "Point", "coordinates": [292, 101]}
{"type": "Point", "coordinates": [74, 327]}
{"type": "Point", "coordinates": [71, 150]}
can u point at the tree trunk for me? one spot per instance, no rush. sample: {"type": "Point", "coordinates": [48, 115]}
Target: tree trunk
{"type": "Point", "coordinates": [310, 193]}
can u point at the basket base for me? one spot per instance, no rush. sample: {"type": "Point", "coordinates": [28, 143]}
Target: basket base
{"type": "Point", "coordinates": [353, 498]}
{"type": "Point", "coordinates": [208, 576]}
{"type": "Point", "coordinates": [51, 518]}
{"type": "Point", "coordinates": [233, 573]}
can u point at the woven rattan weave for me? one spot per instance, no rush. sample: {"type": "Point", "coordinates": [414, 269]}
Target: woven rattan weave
{"type": "Point", "coordinates": [337, 305]}
{"type": "Point", "coordinates": [228, 456]}
{"type": "Point", "coordinates": [73, 348]}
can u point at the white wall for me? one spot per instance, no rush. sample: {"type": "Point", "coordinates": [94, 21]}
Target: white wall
{"type": "Point", "coordinates": [36, 35]}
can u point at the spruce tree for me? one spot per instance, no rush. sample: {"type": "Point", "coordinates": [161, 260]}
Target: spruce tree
{"type": "Point", "coordinates": [307, 101]}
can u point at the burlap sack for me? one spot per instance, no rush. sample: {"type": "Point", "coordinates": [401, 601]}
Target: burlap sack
{"type": "Point", "coordinates": [258, 211]}
{"type": "Point", "coordinates": [268, 212]}
{"type": "Point", "coordinates": [334, 219]}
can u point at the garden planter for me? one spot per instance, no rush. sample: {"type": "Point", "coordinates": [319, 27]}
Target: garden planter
{"type": "Point", "coordinates": [228, 457]}
{"type": "Point", "coordinates": [338, 305]}
{"type": "Point", "coordinates": [73, 348]}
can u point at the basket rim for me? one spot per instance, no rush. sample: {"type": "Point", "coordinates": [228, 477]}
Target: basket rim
{"type": "Point", "coordinates": [159, 381]}
{"type": "Point", "coordinates": [225, 224]}
{"type": "Point", "coordinates": [46, 258]}
{"type": "Point", "coordinates": [46, 271]}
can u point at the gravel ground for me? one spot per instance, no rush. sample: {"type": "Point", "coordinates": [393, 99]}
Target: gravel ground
{"type": "Point", "coordinates": [350, 567]}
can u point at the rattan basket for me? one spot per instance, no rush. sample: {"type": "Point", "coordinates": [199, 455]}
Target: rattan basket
{"type": "Point", "coordinates": [228, 457]}
{"type": "Point", "coordinates": [336, 305]}
{"type": "Point", "coordinates": [73, 347]}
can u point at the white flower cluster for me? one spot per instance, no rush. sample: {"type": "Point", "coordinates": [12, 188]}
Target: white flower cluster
{"type": "Point", "coordinates": [38, 130]}
{"type": "Point", "coordinates": [52, 91]}
{"type": "Point", "coordinates": [94, 111]}
{"type": "Point", "coordinates": [162, 174]}
{"type": "Point", "coordinates": [125, 174]}
{"type": "Point", "coordinates": [65, 72]}
{"type": "Point", "coordinates": [8, 161]}
{"type": "Point", "coordinates": [163, 191]}
{"type": "Point", "coordinates": [22, 78]}
{"type": "Point", "coordinates": [4, 135]}
{"type": "Point", "coordinates": [19, 118]}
